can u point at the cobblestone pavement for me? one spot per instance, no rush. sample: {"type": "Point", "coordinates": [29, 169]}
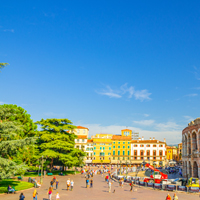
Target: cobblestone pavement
{"type": "Point", "coordinates": [99, 191]}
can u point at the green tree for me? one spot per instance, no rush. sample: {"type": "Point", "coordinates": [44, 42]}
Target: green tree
{"type": "Point", "coordinates": [2, 65]}
{"type": "Point", "coordinates": [14, 140]}
{"type": "Point", "coordinates": [56, 142]}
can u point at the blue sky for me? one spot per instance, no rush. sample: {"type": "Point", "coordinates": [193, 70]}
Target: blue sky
{"type": "Point", "coordinates": [104, 64]}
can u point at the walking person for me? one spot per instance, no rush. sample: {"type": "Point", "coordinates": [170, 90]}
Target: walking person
{"type": "Point", "coordinates": [131, 184]}
{"type": "Point", "coordinates": [68, 184]}
{"type": "Point", "coordinates": [57, 182]}
{"type": "Point", "coordinates": [51, 183]}
{"type": "Point", "coordinates": [72, 185]}
{"type": "Point", "coordinates": [91, 183]}
{"type": "Point", "coordinates": [175, 197]}
{"type": "Point", "coordinates": [168, 197]}
{"type": "Point", "coordinates": [35, 195]}
{"type": "Point", "coordinates": [21, 197]}
{"type": "Point", "coordinates": [57, 196]}
{"type": "Point", "coordinates": [50, 191]}
{"type": "Point", "coordinates": [109, 186]}
{"type": "Point", "coordinates": [87, 183]}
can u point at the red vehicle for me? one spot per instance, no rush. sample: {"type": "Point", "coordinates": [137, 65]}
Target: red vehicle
{"type": "Point", "coordinates": [159, 176]}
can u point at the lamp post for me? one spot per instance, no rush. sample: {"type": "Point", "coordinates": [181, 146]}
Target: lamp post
{"type": "Point", "coordinates": [126, 170]}
{"type": "Point", "coordinates": [41, 172]}
{"type": "Point", "coordinates": [120, 167]}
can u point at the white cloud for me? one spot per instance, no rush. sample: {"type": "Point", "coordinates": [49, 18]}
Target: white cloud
{"type": "Point", "coordinates": [142, 95]}
{"type": "Point", "coordinates": [144, 122]}
{"type": "Point", "coordinates": [110, 93]}
{"type": "Point", "coordinates": [191, 95]}
{"type": "Point", "coordinates": [172, 136]}
{"type": "Point", "coordinates": [146, 115]}
{"type": "Point", "coordinates": [9, 30]}
{"type": "Point", "coordinates": [188, 118]}
{"type": "Point", "coordinates": [1, 103]}
{"type": "Point", "coordinates": [168, 126]}
{"type": "Point", "coordinates": [124, 89]}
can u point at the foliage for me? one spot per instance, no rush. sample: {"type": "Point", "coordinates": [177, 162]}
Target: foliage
{"type": "Point", "coordinates": [14, 140]}
{"type": "Point", "coordinates": [57, 143]}
{"type": "Point", "coordinates": [19, 185]}
{"type": "Point", "coordinates": [2, 65]}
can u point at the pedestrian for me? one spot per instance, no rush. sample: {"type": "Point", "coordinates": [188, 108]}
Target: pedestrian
{"type": "Point", "coordinates": [122, 183]}
{"type": "Point", "coordinates": [57, 196]}
{"type": "Point", "coordinates": [175, 197]}
{"type": "Point", "coordinates": [51, 183]}
{"type": "Point", "coordinates": [131, 184]}
{"type": "Point", "coordinates": [68, 184]}
{"type": "Point", "coordinates": [35, 195]}
{"type": "Point", "coordinates": [50, 191]}
{"type": "Point", "coordinates": [91, 183]}
{"type": "Point", "coordinates": [87, 183]}
{"type": "Point", "coordinates": [168, 197]}
{"type": "Point", "coordinates": [72, 185]}
{"type": "Point", "coordinates": [109, 186]}
{"type": "Point", "coordinates": [21, 197]}
{"type": "Point", "coordinates": [57, 182]}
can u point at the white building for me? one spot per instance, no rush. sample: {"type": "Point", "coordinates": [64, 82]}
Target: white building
{"type": "Point", "coordinates": [89, 151]}
{"type": "Point", "coordinates": [151, 151]}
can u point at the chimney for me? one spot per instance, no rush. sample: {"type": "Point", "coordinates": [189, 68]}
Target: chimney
{"type": "Point", "coordinates": [139, 138]}
{"type": "Point", "coordinates": [142, 137]}
{"type": "Point", "coordinates": [150, 138]}
{"type": "Point", "coordinates": [164, 140]}
{"type": "Point", "coordinates": [153, 138]}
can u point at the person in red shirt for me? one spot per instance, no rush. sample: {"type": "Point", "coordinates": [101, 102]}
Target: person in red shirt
{"type": "Point", "coordinates": [168, 197]}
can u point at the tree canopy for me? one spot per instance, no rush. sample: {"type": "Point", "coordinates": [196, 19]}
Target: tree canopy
{"type": "Point", "coordinates": [2, 65]}
{"type": "Point", "coordinates": [14, 139]}
{"type": "Point", "coordinates": [57, 143]}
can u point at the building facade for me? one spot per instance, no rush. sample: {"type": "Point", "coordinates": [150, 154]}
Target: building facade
{"type": "Point", "coordinates": [191, 149]}
{"type": "Point", "coordinates": [151, 151]}
{"type": "Point", "coordinates": [172, 153]}
{"type": "Point", "coordinates": [179, 152]}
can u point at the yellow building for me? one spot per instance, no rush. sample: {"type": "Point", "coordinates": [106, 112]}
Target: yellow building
{"type": "Point", "coordinates": [121, 149]}
{"type": "Point", "coordinates": [102, 144]}
{"type": "Point", "coordinates": [172, 153]}
{"type": "Point", "coordinates": [180, 152]}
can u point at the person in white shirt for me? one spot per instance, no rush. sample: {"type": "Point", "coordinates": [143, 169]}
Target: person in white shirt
{"type": "Point", "coordinates": [72, 185]}
{"type": "Point", "coordinates": [57, 196]}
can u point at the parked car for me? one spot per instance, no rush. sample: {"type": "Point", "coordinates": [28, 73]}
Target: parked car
{"type": "Point", "coordinates": [180, 181]}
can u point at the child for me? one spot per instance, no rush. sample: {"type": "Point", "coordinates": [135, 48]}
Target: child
{"type": "Point", "coordinates": [57, 196]}
{"type": "Point", "coordinates": [72, 184]}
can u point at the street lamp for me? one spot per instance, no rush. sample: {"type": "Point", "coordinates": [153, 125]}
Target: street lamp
{"type": "Point", "coordinates": [120, 167]}
{"type": "Point", "coordinates": [41, 172]}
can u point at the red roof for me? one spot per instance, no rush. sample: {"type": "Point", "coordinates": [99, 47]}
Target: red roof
{"type": "Point", "coordinates": [126, 130]}
{"type": "Point", "coordinates": [90, 140]}
{"type": "Point", "coordinates": [82, 136]}
{"type": "Point", "coordinates": [81, 127]}
{"type": "Point", "coordinates": [119, 137]}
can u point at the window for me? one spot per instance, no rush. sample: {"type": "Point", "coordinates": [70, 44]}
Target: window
{"type": "Point", "coordinates": [118, 158]}
{"type": "Point", "coordinates": [102, 154]}
{"type": "Point", "coordinates": [148, 145]}
{"type": "Point", "coordinates": [118, 142]}
{"type": "Point", "coordinates": [135, 158]}
{"type": "Point", "coordinates": [148, 152]}
{"type": "Point", "coordinates": [128, 147]}
{"type": "Point", "coordinates": [113, 153]}
{"type": "Point", "coordinates": [147, 158]}
{"type": "Point", "coordinates": [141, 158]}
{"type": "Point", "coordinates": [141, 145]}
{"type": "Point", "coordinates": [135, 145]}
{"type": "Point", "coordinates": [141, 152]}
{"type": "Point", "coordinates": [128, 153]}
{"type": "Point", "coordinates": [100, 148]}
{"type": "Point", "coordinates": [77, 140]}
{"type": "Point", "coordinates": [78, 131]}
{"type": "Point", "coordinates": [154, 145]}
{"type": "Point", "coordinates": [154, 158]}
{"type": "Point", "coordinates": [94, 158]}
{"type": "Point", "coordinates": [128, 158]}
{"type": "Point", "coordinates": [135, 152]}
{"type": "Point", "coordinates": [109, 148]}
{"type": "Point", "coordinates": [123, 147]}
{"type": "Point", "coordinates": [113, 146]}
{"type": "Point", "coordinates": [113, 142]}
{"type": "Point", "coordinates": [113, 158]}
{"type": "Point", "coordinates": [128, 142]}
{"type": "Point", "coordinates": [160, 152]}
{"type": "Point", "coordinates": [94, 153]}
{"type": "Point", "coordinates": [94, 148]}
{"type": "Point", "coordinates": [123, 158]}
{"type": "Point", "coordinates": [83, 131]}
{"type": "Point", "coordinates": [118, 153]}
{"type": "Point", "coordinates": [109, 154]}
{"type": "Point", "coordinates": [123, 153]}
{"type": "Point", "coordinates": [154, 152]}
{"type": "Point", "coordinates": [103, 148]}
{"type": "Point", "coordinates": [123, 142]}
{"type": "Point", "coordinates": [160, 145]}
{"type": "Point", "coordinates": [118, 147]}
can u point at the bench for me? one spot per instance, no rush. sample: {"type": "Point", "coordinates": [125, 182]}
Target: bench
{"type": "Point", "coordinates": [50, 174]}
{"type": "Point", "coordinates": [61, 174]}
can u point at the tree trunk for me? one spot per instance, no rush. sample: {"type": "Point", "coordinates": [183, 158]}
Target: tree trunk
{"type": "Point", "coordinates": [51, 164]}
